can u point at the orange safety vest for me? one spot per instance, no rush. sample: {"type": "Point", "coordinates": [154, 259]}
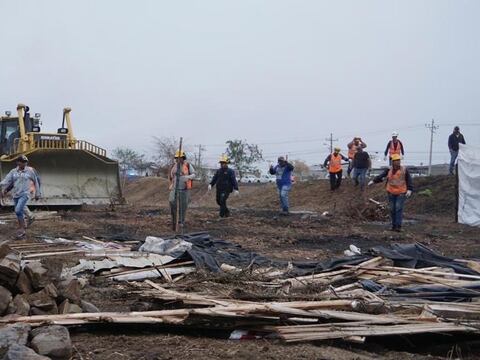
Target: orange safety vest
{"type": "Point", "coordinates": [185, 171]}
{"type": "Point", "coordinates": [335, 164]}
{"type": "Point", "coordinates": [394, 150]}
{"type": "Point", "coordinates": [396, 183]}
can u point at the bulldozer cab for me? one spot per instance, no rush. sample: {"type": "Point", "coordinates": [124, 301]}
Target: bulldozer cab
{"type": "Point", "coordinates": [8, 133]}
{"type": "Point", "coordinates": [73, 172]}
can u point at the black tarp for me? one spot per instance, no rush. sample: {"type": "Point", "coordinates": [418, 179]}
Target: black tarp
{"type": "Point", "coordinates": [417, 256]}
{"type": "Point", "coordinates": [209, 253]}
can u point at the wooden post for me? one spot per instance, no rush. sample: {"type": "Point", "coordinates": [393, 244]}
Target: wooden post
{"type": "Point", "coordinates": [177, 185]}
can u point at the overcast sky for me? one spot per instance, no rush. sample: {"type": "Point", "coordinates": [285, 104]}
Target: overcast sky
{"type": "Point", "coordinates": [283, 74]}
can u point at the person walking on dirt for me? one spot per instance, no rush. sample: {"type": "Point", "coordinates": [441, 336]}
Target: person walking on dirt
{"type": "Point", "coordinates": [24, 183]}
{"type": "Point", "coordinates": [226, 183]}
{"type": "Point", "coordinates": [334, 163]}
{"type": "Point", "coordinates": [283, 172]}
{"type": "Point", "coordinates": [361, 164]}
{"type": "Point", "coordinates": [394, 146]}
{"type": "Point", "coordinates": [454, 140]}
{"type": "Point", "coordinates": [352, 150]}
{"type": "Point", "coordinates": [185, 183]}
{"type": "Point", "coordinates": [399, 187]}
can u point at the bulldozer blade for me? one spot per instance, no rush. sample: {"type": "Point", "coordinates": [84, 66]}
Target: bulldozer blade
{"type": "Point", "coordinates": [72, 177]}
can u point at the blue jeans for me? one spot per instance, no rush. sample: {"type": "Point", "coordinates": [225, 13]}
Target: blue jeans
{"type": "Point", "coordinates": [453, 158]}
{"type": "Point", "coordinates": [20, 203]}
{"type": "Point", "coordinates": [283, 191]}
{"type": "Point", "coordinates": [360, 177]}
{"type": "Point", "coordinates": [396, 209]}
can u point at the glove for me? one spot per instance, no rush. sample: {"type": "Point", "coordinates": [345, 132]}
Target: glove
{"type": "Point", "coordinates": [209, 187]}
{"type": "Point", "coordinates": [370, 183]}
{"type": "Point", "coordinates": [409, 193]}
{"type": "Point", "coordinates": [236, 192]}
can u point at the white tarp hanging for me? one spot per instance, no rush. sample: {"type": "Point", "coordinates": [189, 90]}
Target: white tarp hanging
{"type": "Point", "coordinates": [469, 185]}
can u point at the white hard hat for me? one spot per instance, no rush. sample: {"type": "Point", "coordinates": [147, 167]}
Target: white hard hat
{"type": "Point", "coordinates": [395, 133]}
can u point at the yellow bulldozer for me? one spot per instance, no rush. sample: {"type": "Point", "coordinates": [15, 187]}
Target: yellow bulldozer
{"type": "Point", "coordinates": [72, 172]}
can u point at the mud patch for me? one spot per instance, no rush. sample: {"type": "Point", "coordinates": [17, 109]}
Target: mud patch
{"type": "Point", "coordinates": [335, 244]}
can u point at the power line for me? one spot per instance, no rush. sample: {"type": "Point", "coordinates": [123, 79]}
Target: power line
{"type": "Point", "coordinates": [318, 139]}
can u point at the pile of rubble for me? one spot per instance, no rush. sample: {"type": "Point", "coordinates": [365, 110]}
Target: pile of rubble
{"type": "Point", "coordinates": [46, 342]}
{"type": "Point", "coordinates": [403, 290]}
{"type": "Point", "coordinates": [34, 287]}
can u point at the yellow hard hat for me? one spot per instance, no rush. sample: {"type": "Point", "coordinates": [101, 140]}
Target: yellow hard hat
{"type": "Point", "coordinates": [224, 158]}
{"type": "Point", "coordinates": [337, 149]}
{"type": "Point", "coordinates": [179, 153]}
{"type": "Point", "coordinates": [396, 157]}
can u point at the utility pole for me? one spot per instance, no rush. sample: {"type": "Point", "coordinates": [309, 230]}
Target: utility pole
{"type": "Point", "coordinates": [198, 160]}
{"type": "Point", "coordinates": [331, 140]}
{"type": "Point", "coordinates": [432, 128]}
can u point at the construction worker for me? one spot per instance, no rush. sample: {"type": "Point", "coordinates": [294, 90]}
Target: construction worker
{"type": "Point", "coordinates": [352, 150]}
{"type": "Point", "coordinates": [361, 165]}
{"type": "Point", "coordinates": [399, 187]}
{"type": "Point", "coordinates": [454, 140]}
{"type": "Point", "coordinates": [394, 146]}
{"type": "Point", "coordinates": [283, 172]}
{"type": "Point", "coordinates": [24, 183]}
{"type": "Point", "coordinates": [334, 163]}
{"type": "Point", "coordinates": [186, 174]}
{"type": "Point", "coordinates": [226, 182]}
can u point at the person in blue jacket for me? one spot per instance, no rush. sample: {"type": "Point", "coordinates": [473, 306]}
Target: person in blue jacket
{"type": "Point", "coordinates": [283, 172]}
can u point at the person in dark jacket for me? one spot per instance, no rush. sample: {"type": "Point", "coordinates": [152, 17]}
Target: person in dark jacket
{"type": "Point", "coordinates": [454, 140]}
{"type": "Point", "coordinates": [399, 187]}
{"type": "Point", "coordinates": [283, 172]}
{"type": "Point", "coordinates": [361, 166]}
{"type": "Point", "coordinates": [226, 183]}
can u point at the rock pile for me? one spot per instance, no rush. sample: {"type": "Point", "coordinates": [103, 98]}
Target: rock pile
{"type": "Point", "coordinates": [35, 288]}
{"type": "Point", "coordinates": [47, 342]}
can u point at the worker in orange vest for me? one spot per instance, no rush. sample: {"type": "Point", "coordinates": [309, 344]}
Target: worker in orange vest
{"type": "Point", "coordinates": [394, 146]}
{"type": "Point", "coordinates": [352, 150]}
{"type": "Point", "coordinates": [399, 187]}
{"type": "Point", "coordinates": [185, 182]}
{"type": "Point", "coordinates": [333, 163]}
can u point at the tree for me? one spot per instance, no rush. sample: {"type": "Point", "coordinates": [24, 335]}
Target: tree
{"type": "Point", "coordinates": [129, 159]}
{"type": "Point", "coordinates": [164, 152]}
{"type": "Point", "coordinates": [243, 155]}
{"type": "Point", "coordinates": [301, 168]}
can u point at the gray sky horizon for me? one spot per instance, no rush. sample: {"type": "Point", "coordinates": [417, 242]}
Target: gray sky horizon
{"type": "Point", "coordinates": [281, 74]}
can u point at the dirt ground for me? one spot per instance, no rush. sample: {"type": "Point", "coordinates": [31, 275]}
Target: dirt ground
{"type": "Point", "coordinates": [256, 225]}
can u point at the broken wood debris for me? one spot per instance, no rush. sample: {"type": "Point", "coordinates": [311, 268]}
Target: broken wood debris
{"type": "Point", "coordinates": [291, 321]}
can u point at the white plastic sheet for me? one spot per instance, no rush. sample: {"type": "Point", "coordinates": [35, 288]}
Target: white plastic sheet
{"type": "Point", "coordinates": [469, 185]}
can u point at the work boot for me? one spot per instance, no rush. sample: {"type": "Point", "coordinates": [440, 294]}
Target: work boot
{"type": "Point", "coordinates": [30, 221]}
{"type": "Point", "coordinates": [20, 235]}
